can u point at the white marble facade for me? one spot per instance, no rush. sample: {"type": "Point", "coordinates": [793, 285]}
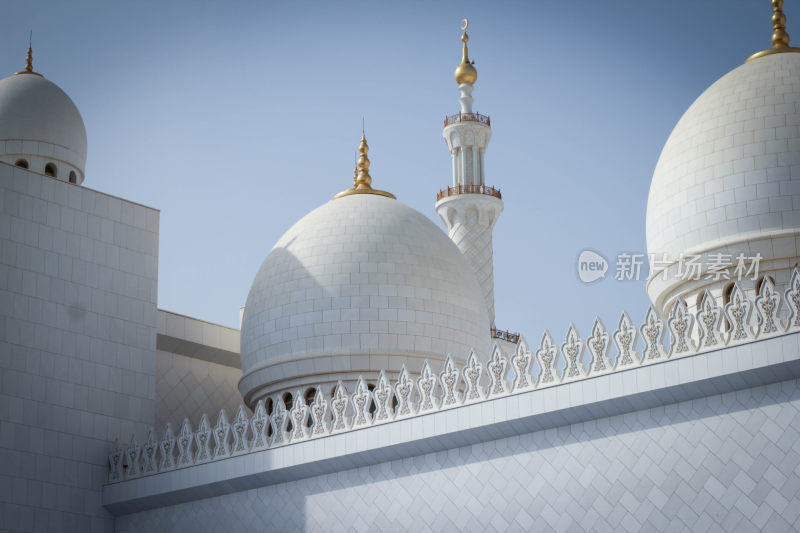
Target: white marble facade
{"type": "Point", "coordinates": [722, 463]}
{"type": "Point", "coordinates": [687, 442]}
{"type": "Point", "coordinates": [118, 416]}
{"type": "Point", "coordinates": [77, 345]}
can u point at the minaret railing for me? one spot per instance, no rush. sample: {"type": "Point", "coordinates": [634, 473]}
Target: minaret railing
{"type": "Point", "coordinates": [469, 189]}
{"type": "Point", "coordinates": [467, 117]}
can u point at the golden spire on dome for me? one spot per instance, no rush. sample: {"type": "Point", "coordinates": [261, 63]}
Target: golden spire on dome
{"type": "Point", "coordinates": [362, 181]}
{"type": "Point", "coordinates": [29, 61]}
{"type": "Point", "coordinates": [780, 39]}
{"type": "Point", "coordinates": [465, 72]}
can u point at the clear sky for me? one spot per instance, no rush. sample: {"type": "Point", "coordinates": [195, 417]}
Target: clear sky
{"type": "Point", "coordinates": [235, 119]}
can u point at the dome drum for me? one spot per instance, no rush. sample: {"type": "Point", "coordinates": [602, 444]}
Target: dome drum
{"type": "Point", "coordinates": [778, 254]}
{"type": "Point", "coordinates": [38, 155]}
{"type": "Point", "coordinates": [325, 371]}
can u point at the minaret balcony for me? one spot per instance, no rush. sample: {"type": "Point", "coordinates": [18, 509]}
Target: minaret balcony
{"type": "Point", "coordinates": [469, 189]}
{"type": "Point", "coordinates": [467, 117]}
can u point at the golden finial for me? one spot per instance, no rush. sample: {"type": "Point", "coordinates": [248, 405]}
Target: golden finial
{"type": "Point", "coordinates": [362, 181]}
{"type": "Point", "coordinates": [780, 39]}
{"type": "Point", "coordinates": [465, 72]}
{"type": "Point", "coordinates": [29, 61]}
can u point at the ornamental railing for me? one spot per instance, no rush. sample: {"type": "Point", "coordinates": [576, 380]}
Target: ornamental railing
{"type": "Point", "coordinates": [527, 370]}
{"type": "Point", "coordinates": [504, 335]}
{"type": "Point", "coordinates": [467, 117]}
{"type": "Point", "coordinates": [469, 189]}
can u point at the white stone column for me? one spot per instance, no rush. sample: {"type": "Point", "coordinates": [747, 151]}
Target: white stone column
{"type": "Point", "coordinates": [463, 165]}
{"type": "Point", "coordinates": [466, 97]}
{"type": "Point", "coordinates": [476, 172]}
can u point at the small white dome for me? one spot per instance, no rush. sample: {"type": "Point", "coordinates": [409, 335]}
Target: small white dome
{"type": "Point", "coordinates": [360, 284]}
{"type": "Point", "coordinates": [38, 119]}
{"type": "Point", "coordinates": [729, 175]}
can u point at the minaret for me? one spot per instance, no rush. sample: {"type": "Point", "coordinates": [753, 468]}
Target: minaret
{"type": "Point", "coordinates": [469, 209]}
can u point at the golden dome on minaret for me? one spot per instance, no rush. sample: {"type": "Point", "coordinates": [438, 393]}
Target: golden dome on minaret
{"type": "Point", "coordinates": [465, 72]}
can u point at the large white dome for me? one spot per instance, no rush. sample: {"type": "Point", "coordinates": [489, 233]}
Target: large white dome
{"type": "Point", "coordinates": [728, 179]}
{"type": "Point", "coordinates": [360, 284]}
{"type": "Point", "coordinates": [38, 119]}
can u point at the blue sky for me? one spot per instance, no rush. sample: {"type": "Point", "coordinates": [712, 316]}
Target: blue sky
{"type": "Point", "coordinates": [237, 118]}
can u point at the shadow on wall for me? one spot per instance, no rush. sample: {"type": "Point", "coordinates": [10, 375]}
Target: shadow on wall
{"type": "Point", "coordinates": [739, 405]}
{"type": "Point", "coordinates": [666, 462]}
{"type": "Point", "coordinates": [187, 387]}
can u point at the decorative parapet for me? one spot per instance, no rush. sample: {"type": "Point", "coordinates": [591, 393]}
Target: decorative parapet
{"type": "Point", "coordinates": [467, 117]}
{"type": "Point", "coordinates": [469, 189]}
{"type": "Point", "coordinates": [526, 371]}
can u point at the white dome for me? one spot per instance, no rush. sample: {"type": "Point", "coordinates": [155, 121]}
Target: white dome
{"type": "Point", "coordinates": [360, 284]}
{"type": "Point", "coordinates": [728, 178]}
{"type": "Point", "coordinates": [37, 118]}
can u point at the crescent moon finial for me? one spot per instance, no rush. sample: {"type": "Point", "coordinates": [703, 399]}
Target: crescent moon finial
{"type": "Point", "coordinates": [464, 24]}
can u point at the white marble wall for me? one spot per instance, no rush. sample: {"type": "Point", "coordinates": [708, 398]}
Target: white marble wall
{"type": "Point", "coordinates": [78, 274]}
{"type": "Point", "coordinates": [725, 462]}
{"type": "Point", "coordinates": [197, 368]}
{"type": "Point", "coordinates": [187, 387]}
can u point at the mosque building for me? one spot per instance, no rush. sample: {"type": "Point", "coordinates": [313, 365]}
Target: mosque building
{"type": "Point", "coordinates": [369, 387]}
